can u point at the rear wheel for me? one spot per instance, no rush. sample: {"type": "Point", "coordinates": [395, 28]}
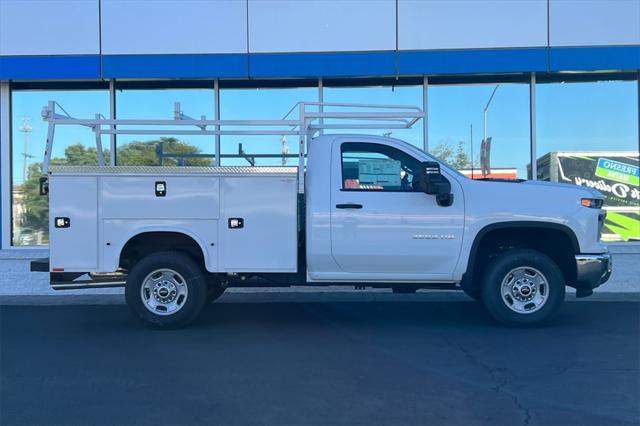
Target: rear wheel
{"type": "Point", "coordinates": [166, 289]}
{"type": "Point", "coordinates": [215, 288]}
{"type": "Point", "coordinates": [522, 287]}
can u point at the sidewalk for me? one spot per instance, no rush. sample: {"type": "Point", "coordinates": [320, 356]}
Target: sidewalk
{"type": "Point", "coordinates": [18, 285]}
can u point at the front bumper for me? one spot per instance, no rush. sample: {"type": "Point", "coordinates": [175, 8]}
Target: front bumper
{"type": "Point", "coordinates": [592, 270]}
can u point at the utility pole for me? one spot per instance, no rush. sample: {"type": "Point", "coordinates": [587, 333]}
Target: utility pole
{"type": "Point", "coordinates": [484, 112]}
{"type": "Point", "coordinates": [484, 129]}
{"type": "Point", "coordinates": [26, 129]}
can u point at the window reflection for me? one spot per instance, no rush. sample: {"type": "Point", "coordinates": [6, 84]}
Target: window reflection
{"type": "Point", "coordinates": [462, 116]}
{"type": "Point", "coordinates": [169, 149]}
{"type": "Point", "coordinates": [74, 145]}
{"type": "Point", "coordinates": [587, 135]}
{"type": "Point", "coordinates": [261, 104]}
{"type": "Point", "coordinates": [384, 95]}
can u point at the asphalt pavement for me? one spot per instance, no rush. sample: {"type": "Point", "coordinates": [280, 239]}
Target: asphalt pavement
{"type": "Point", "coordinates": [320, 363]}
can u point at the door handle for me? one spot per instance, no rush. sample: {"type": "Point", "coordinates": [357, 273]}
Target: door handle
{"type": "Point", "coordinates": [349, 206]}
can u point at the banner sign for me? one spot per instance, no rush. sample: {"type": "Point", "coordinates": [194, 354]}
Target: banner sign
{"type": "Point", "coordinates": [617, 171]}
{"type": "Point", "coordinates": [615, 174]}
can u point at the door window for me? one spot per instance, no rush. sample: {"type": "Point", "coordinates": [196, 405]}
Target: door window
{"type": "Point", "coordinates": [376, 167]}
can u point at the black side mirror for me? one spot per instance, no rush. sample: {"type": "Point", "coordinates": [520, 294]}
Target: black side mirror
{"type": "Point", "coordinates": [44, 185]}
{"type": "Point", "coordinates": [432, 182]}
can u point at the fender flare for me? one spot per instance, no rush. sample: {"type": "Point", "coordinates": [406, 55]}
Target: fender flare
{"type": "Point", "coordinates": [467, 278]}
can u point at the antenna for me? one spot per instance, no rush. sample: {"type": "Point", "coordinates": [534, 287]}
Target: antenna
{"type": "Point", "coordinates": [26, 129]}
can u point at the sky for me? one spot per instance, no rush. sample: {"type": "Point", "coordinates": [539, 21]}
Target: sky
{"type": "Point", "coordinates": [571, 116]}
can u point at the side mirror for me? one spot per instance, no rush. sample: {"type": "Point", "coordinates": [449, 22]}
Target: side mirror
{"type": "Point", "coordinates": [432, 182]}
{"type": "Point", "coordinates": [44, 185]}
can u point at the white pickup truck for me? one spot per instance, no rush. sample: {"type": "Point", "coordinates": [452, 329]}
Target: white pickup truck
{"type": "Point", "coordinates": [367, 211]}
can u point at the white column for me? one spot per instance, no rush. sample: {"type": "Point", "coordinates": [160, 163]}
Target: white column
{"type": "Point", "coordinates": [112, 115]}
{"type": "Point", "coordinates": [5, 166]}
{"type": "Point", "coordinates": [532, 123]}
{"type": "Point", "coordinates": [321, 100]}
{"type": "Point", "coordinates": [425, 109]}
{"type": "Point", "coordinates": [216, 90]}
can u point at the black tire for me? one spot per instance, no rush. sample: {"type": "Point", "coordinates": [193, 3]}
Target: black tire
{"type": "Point", "coordinates": [214, 288]}
{"type": "Point", "coordinates": [214, 293]}
{"type": "Point", "coordinates": [498, 269]}
{"type": "Point", "coordinates": [474, 292]}
{"type": "Point", "coordinates": [190, 274]}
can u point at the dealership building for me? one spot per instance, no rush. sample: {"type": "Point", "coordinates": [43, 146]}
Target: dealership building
{"type": "Point", "coordinates": [531, 89]}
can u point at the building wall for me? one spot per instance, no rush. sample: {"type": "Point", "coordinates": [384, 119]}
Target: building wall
{"type": "Point", "coordinates": [46, 39]}
{"type": "Point", "coordinates": [78, 27]}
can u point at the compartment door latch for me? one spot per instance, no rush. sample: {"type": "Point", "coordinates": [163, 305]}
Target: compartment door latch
{"type": "Point", "coordinates": [62, 222]}
{"type": "Point", "coordinates": [161, 188]}
{"type": "Point", "coordinates": [236, 223]}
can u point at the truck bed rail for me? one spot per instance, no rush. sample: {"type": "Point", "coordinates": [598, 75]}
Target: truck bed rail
{"type": "Point", "coordinates": [312, 118]}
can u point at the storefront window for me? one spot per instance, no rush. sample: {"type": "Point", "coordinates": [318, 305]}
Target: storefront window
{"type": "Point", "coordinates": [463, 116]}
{"type": "Point", "coordinates": [168, 149]}
{"type": "Point", "coordinates": [587, 135]}
{"type": "Point", "coordinates": [73, 145]}
{"type": "Point", "coordinates": [382, 95]}
{"type": "Point", "coordinates": [261, 104]}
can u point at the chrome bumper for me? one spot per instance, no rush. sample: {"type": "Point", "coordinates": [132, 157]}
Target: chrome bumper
{"type": "Point", "coordinates": [592, 270]}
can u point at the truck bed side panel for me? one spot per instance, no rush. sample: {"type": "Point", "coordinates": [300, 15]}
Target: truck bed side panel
{"type": "Point", "coordinates": [134, 197]}
{"type": "Point", "coordinates": [74, 247]}
{"type": "Point", "coordinates": [267, 239]}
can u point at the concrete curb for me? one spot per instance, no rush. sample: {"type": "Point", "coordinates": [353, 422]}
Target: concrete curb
{"type": "Point", "coordinates": [289, 296]}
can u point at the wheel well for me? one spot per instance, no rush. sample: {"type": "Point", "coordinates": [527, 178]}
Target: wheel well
{"type": "Point", "coordinates": [146, 243]}
{"type": "Point", "coordinates": [557, 243]}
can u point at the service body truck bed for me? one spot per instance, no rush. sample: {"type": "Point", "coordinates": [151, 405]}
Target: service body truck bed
{"type": "Point", "coordinates": [243, 218]}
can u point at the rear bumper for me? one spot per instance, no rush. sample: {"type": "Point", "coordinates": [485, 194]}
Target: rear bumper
{"type": "Point", "coordinates": [592, 270]}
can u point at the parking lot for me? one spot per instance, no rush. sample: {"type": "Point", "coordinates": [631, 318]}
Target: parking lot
{"type": "Point", "coordinates": [320, 363]}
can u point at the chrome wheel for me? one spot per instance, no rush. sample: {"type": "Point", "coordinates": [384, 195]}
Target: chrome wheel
{"type": "Point", "coordinates": [525, 290]}
{"type": "Point", "coordinates": [164, 292]}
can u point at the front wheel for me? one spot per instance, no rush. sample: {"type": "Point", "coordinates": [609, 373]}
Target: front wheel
{"type": "Point", "coordinates": [166, 289]}
{"type": "Point", "coordinates": [522, 287]}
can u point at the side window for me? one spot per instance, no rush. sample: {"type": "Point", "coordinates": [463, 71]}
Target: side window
{"type": "Point", "coordinates": [376, 167]}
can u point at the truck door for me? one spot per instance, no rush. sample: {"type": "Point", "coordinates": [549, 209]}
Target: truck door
{"type": "Point", "coordinates": [381, 227]}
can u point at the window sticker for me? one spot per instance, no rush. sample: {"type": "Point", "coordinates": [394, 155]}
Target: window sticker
{"type": "Point", "coordinates": [379, 172]}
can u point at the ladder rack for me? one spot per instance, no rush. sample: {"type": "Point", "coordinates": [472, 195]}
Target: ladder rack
{"type": "Point", "coordinates": [311, 119]}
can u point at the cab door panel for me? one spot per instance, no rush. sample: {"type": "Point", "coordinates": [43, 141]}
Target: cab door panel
{"type": "Point", "coordinates": [394, 235]}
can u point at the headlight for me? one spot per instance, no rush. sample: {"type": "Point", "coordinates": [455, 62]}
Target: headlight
{"type": "Point", "coordinates": [592, 203]}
